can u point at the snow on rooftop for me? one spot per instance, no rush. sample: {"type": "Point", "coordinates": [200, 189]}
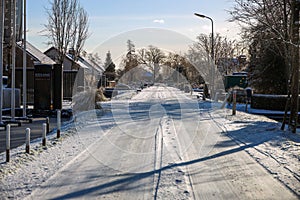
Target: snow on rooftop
{"type": "Point", "coordinates": [94, 65]}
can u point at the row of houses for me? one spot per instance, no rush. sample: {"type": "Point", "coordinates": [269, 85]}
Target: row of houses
{"type": "Point", "coordinates": [61, 82]}
{"type": "Point", "coordinates": [73, 74]}
{"type": "Point", "coordinates": [77, 75]}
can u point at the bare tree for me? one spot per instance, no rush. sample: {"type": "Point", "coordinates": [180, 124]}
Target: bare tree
{"type": "Point", "coordinates": [272, 27]}
{"type": "Point", "coordinates": [94, 58]}
{"type": "Point", "coordinates": [80, 32]}
{"type": "Point", "coordinates": [183, 67]}
{"type": "Point", "coordinates": [152, 58]}
{"type": "Point", "coordinates": [225, 49]}
{"type": "Point", "coordinates": [67, 27]}
{"type": "Point", "coordinates": [267, 23]}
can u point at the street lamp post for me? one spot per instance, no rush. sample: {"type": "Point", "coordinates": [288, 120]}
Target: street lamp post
{"type": "Point", "coordinates": [212, 48]}
{"type": "Point", "coordinates": [212, 33]}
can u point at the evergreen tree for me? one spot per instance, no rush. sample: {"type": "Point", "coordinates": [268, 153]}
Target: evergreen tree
{"type": "Point", "coordinates": [268, 66]}
{"type": "Point", "coordinates": [130, 46]}
{"type": "Point", "coordinates": [130, 61]}
{"type": "Point", "coordinates": [110, 71]}
{"type": "Point", "coordinates": [108, 60]}
{"type": "Point", "coordinates": [266, 26]}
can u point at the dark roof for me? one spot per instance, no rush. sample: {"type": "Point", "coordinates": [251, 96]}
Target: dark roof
{"type": "Point", "coordinates": [36, 53]}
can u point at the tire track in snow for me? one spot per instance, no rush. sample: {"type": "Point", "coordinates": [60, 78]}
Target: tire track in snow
{"type": "Point", "coordinates": [171, 181]}
{"type": "Point", "coordinates": [158, 158]}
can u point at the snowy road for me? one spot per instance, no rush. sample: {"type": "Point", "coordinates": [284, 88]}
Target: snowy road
{"type": "Point", "coordinates": [163, 145]}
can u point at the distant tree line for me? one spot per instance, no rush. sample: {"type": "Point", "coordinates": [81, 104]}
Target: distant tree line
{"type": "Point", "coordinates": [164, 66]}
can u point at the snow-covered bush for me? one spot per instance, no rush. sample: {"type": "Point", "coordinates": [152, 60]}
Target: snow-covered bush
{"type": "Point", "coordinates": [88, 99]}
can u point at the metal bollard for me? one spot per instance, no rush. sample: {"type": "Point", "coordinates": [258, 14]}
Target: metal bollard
{"type": "Point", "coordinates": [27, 140]}
{"type": "Point", "coordinates": [216, 97]}
{"type": "Point", "coordinates": [234, 103]}
{"type": "Point", "coordinates": [58, 123]}
{"type": "Point", "coordinates": [44, 134]}
{"type": "Point", "coordinates": [48, 126]}
{"type": "Point", "coordinates": [7, 142]}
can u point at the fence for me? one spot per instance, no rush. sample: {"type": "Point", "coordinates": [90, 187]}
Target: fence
{"type": "Point", "coordinates": [68, 84]}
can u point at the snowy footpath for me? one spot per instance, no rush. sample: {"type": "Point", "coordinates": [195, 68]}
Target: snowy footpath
{"type": "Point", "coordinates": [277, 151]}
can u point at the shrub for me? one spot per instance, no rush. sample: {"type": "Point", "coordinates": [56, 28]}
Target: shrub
{"type": "Point", "coordinates": [88, 100]}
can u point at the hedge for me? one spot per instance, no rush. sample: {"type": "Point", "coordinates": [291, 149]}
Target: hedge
{"type": "Point", "coordinates": [268, 102]}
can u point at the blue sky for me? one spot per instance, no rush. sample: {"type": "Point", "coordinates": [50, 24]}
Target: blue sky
{"type": "Point", "coordinates": [109, 18]}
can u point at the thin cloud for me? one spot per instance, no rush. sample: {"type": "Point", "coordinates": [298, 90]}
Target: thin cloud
{"type": "Point", "coordinates": [159, 21]}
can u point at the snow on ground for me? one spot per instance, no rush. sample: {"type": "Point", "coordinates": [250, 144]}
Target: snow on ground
{"type": "Point", "coordinates": [25, 172]}
{"type": "Point", "coordinates": [277, 151]}
{"type": "Point", "coordinates": [172, 182]}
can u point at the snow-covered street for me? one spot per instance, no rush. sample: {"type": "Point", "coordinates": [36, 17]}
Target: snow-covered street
{"type": "Point", "coordinates": [160, 144]}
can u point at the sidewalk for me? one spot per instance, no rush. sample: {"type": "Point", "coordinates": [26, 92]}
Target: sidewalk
{"type": "Point", "coordinates": [18, 134]}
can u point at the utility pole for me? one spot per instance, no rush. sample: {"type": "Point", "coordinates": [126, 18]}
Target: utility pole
{"type": "Point", "coordinates": [24, 61]}
{"type": "Point", "coordinates": [2, 3]}
{"type": "Point", "coordinates": [295, 65]}
{"type": "Point", "coordinates": [13, 58]}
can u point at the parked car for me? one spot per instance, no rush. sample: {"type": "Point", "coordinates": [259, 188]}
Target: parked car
{"type": "Point", "coordinates": [121, 88]}
{"type": "Point", "coordinates": [199, 92]}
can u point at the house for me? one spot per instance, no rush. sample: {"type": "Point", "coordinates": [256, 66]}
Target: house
{"type": "Point", "coordinates": [33, 57]}
{"type": "Point", "coordinates": [93, 68]}
{"type": "Point", "coordinates": [68, 64]}
{"type": "Point", "coordinates": [77, 75]}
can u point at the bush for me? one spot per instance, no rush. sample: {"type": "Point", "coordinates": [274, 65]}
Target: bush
{"type": "Point", "coordinates": [88, 100]}
{"type": "Point", "coordinates": [99, 96]}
